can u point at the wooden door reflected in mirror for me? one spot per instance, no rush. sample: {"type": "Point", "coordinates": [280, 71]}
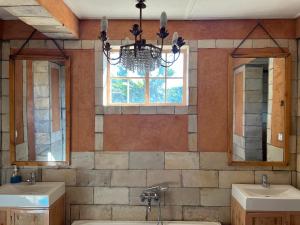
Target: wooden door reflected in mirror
{"type": "Point", "coordinates": [40, 110]}
{"type": "Point", "coordinates": [259, 105]}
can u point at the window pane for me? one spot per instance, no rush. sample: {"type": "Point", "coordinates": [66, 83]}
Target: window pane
{"type": "Point", "coordinates": [174, 90]}
{"type": "Point", "coordinates": [160, 72]}
{"type": "Point", "coordinates": [119, 91]}
{"type": "Point", "coordinates": [136, 91]}
{"type": "Point", "coordinates": [157, 90]}
{"type": "Point", "coordinates": [176, 70]}
{"type": "Point", "coordinates": [120, 71]}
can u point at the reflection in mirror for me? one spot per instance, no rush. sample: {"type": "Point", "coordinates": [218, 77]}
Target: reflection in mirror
{"type": "Point", "coordinates": [258, 109]}
{"type": "Point", "coordinates": [40, 110]}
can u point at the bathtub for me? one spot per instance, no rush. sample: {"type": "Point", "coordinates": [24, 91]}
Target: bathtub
{"type": "Point", "coordinates": [103, 222]}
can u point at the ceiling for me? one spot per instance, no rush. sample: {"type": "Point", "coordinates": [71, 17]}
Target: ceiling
{"type": "Point", "coordinates": [187, 9]}
{"type": "Point", "coordinates": [4, 15]}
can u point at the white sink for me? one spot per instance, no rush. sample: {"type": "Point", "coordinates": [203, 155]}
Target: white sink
{"type": "Point", "coordinates": [41, 194]}
{"type": "Point", "coordinates": [255, 197]}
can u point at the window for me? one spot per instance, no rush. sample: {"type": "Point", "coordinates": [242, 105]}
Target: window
{"type": "Point", "coordinates": [164, 86]}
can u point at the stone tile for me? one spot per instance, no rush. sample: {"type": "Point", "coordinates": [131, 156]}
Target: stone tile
{"type": "Point", "coordinates": [95, 212]}
{"type": "Point", "coordinates": [193, 62]}
{"type": "Point", "coordinates": [168, 213]}
{"type": "Point", "coordinates": [192, 123]}
{"type": "Point", "coordinates": [181, 160]}
{"type": "Point", "coordinates": [193, 45]}
{"type": "Point", "coordinates": [274, 177]}
{"type": "Point", "coordinates": [112, 160]}
{"type": "Point", "coordinates": [192, 109]}
{"type": "Point", "coordinates": [5, 69]}
{"type": "Point", "coordinates": [147, 110]}
{"type": "Point", "coordinates": [98, 96]}
{"type": "Point", "coordinates": [209, 214]}
{"type": "Point", "coordinates": [227, 178]}
{"type": "Point", "coordinates": [37, 44]}
{"type": "Point", "coordinates": [128, 213]}
{"type": "Point", "coordinates": [74, 213]}
{"type": "Point", "coordinates": [5, 122]}
{"type": "Point", "coordinates": [193, 75]}
{"type": "Point", "coordinates": [5, 141]}
{"type": "Point", "coordinates": [182, 196]}
{"type": "Point", "coordinates": [93, 177]}
{"type": "Point", "coordinates": [99, 110]}
{"type": "Point", "coordinates": [99, 123]}
{"type": "Point", "coordinates": [193, 96]}
{"type": "Point", "coordinates": [134, 196]}
{"type": "Point", "coordinates": [88, 44]}
{"type": "Point", "coordinates": [105, 195]}
{"type": "Point", "coordinates": [5, 87]}
{"type": "Point", "coordinates": [130, 110]}
{"type": "Point", "coordinates": [200, 178]}
{"type": "Point", "coordinates": [181, 110]}
{"type": "Point", "coordinates": [50, 44]}
{"type": "Point", "coordinates": [193, 137]}
{"type": "Point", "coordinates": [165, 110]}
{"type": "Point", "coordinates": [98, 141]}
{"type": "Point", "coordinates": [5, 105]}
{"type": "Point", "coordinates": [54, 175]}
{"type": "Point", "coordinates": [72, 44]}
{"type": "Point", "coordinates": [261, 43]}
{"type": "Point", "coordinates": [172, 178]}
{"type": "Point", "coordinates": [146, 160]}
{"type": "Point", "coordinates": [247, 44]}
{"type": "Point", "coordinates": [82, 160]}
{"type": "Point", "coordinates": [128, 178]}
{"type": "Point", "coordinates": [112, 110]}
{"type": "Point", "coordinates": [209, 43]}
{"type": "Point", "coordinates": [214, 161]}
{"type": "Point", "coordinates": [5, 50]}
{"type": "Point", "coordinates": [79, 195]}
{"type": "Point", "coordinates": [223, 43]}
{"type": "Point", "coordinates": [215, 197]}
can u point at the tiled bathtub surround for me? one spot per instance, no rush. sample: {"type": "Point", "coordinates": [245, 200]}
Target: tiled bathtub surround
{"type": "Point", "coordinates": [106, 185]}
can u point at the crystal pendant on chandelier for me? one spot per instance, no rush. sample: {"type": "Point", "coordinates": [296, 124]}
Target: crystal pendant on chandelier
{"type": "Point", "coordinates": [140, 56]}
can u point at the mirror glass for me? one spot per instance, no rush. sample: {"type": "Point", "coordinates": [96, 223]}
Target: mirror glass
{"type": "Point", "coordinates": [258, 109]}
{"type": "Point", "coordinates": [40, 110]}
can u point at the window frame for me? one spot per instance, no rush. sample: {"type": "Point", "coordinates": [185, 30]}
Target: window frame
{"type": "Point", "coordinates": [185, 88]}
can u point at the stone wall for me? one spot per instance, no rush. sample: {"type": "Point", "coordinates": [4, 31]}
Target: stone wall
{"type": "Point", "coordinates": [106, 185]}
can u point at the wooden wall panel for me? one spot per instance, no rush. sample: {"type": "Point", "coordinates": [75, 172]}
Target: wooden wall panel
{"type": "Point", "coordinates": [277, 124]}
{"type": "Point", "coordinates": [19, 120]}
{"type": "Point", "coordinates": [145, 133]}
{"type": "Point", "coordinates": [55, 103]}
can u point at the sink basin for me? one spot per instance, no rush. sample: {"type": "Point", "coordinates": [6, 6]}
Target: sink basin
{"type": "Point", "coordinates": [41, 194]}
{"type": "Point", "coordinates": [254, 197]}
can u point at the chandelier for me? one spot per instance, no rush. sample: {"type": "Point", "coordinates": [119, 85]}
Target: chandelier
{"type": "Point", "coordinates": [140, 56]}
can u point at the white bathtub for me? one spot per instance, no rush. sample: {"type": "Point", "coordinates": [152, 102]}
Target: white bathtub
{"type": "Point", "coordinates": [103, 222]}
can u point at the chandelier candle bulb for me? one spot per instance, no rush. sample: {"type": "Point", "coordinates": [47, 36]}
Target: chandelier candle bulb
{"type": "Point", "coordinates": [175, 38]}
{"type": "Point", "coordinates": [104, 24]}
{"type": "Point", "coordinates": [163, 20]}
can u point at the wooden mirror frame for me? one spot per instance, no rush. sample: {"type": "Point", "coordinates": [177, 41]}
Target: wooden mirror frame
{"type": "Point", "coordinates": [31, 54]}
{"type": "Point", "coordinates": [260, 53]}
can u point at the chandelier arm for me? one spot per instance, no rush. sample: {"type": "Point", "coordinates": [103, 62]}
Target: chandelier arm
{"type": "Point", "coordinates": [167, 62]}
{"type": "Point", "coordinates": [109, 58]}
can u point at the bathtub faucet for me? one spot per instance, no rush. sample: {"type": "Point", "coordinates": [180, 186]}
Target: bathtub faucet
{"type": "Point", "coordinates": [152, 194]}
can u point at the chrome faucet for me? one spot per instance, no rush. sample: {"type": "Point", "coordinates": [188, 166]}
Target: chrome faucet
{"type": "Point", "coordinates": [265, 182]}
{"type": "Point", "coordinates": [152, 194]}
{"type": "Point", "coordinates": [31, 180]}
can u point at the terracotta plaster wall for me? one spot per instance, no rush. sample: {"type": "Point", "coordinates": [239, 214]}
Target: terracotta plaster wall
{"type": "Point", "coordinates": [145, 132]}
{"type": "Point", "coordinates": [298, 27]}
{"type": "Point", "coordinates": [212, 99]}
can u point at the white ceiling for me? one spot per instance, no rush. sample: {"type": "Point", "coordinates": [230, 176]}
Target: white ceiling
{"type": "Point", "coordinates": [187, 9]}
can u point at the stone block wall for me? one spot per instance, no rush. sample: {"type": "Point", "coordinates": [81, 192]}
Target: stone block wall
{"type": "Point", "coordinates": [106, 185]}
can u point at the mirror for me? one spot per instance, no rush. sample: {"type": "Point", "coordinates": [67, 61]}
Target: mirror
{"type": "Point", "coordinates": [259, 110]}
{"type": "Point", "coordinates": [40, 111]}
